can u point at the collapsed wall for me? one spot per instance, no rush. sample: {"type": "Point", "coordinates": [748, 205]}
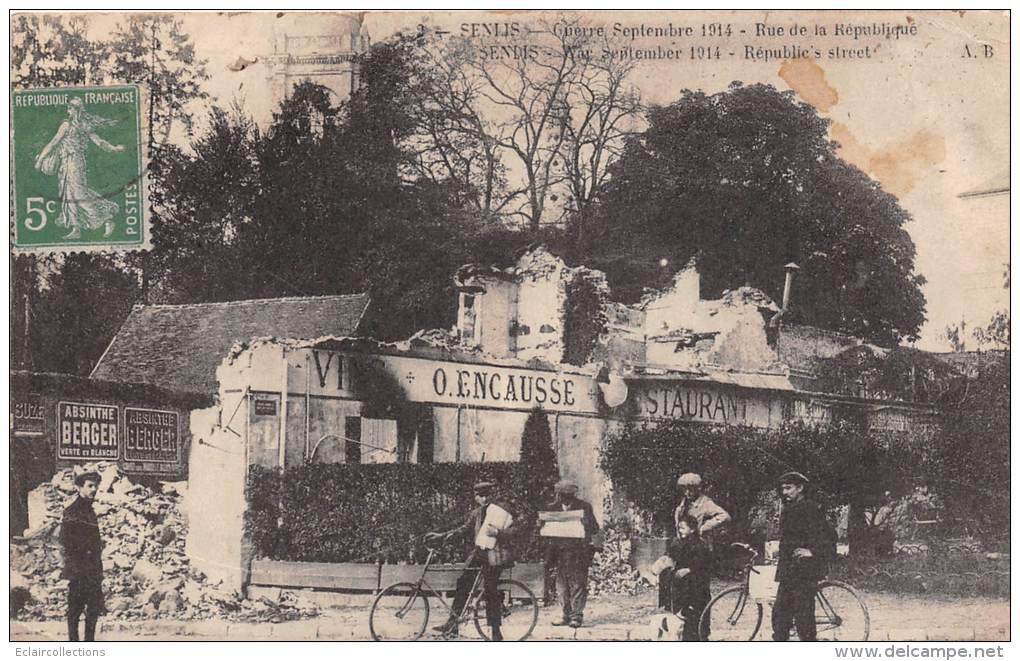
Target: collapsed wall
{"type": "Point", "coordinates": [146, 572]}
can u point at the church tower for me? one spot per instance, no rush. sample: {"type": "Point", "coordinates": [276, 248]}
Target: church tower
{"type": "Point", "coordinates": [320, 47]}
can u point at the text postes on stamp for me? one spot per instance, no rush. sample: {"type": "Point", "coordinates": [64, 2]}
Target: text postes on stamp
{"type": "Point", "coordinates": [78, 164]}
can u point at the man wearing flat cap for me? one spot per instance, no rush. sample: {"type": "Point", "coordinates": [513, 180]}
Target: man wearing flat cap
{"type": "Point", "coordinates": [806, 543]}
{"type": "Point", "coordinates": [83, 563]}
{"type": "Point", "coordinates": [693, 503]}
{"type": "Point", "coordinates": [490, 562]}
{"type": "Point", "coordinates": [570, 555]}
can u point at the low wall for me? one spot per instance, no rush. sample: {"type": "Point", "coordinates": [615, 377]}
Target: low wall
{"type": "Point", "coordinates": [360, 577]}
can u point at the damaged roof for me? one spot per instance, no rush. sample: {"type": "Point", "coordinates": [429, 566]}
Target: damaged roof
{"type": "Point", "coordinates": [180, 346]}
{"type": "Point", "coordinates": [803, 348]}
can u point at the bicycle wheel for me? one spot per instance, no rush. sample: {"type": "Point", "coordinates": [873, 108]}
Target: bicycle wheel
{"type": "Point", "coordinates": [400, 612]}
{"type": "Point", "coordinates": [519, 610]}
{"type": "Point", "coordinates": [840, 613]}
{"type": "Point", "coordinates": [730, 615]}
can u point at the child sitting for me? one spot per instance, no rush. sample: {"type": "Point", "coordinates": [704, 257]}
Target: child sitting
{"type": "Point", "coordinates": [685, 575]}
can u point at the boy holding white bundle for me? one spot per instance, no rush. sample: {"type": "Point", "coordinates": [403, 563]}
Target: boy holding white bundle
{"type": "Point", "coordinates": [490, 526]}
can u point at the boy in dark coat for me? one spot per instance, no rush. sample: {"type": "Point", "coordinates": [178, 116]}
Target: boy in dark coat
{"type": "Point", "coordinates": [684, 586]}
{"type": "Point", "coordinates": [806, 543]}
{"type": "Point", "coordinates": [83, 563]}
{"type": "Point", "coordinates": [490, 562]}
{"type": "Point", "coordinates": [572, 556]}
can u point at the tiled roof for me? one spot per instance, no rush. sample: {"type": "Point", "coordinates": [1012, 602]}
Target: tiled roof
{"type": "Point", "coordinates": [180, 346]}
{"type": "Point", "coordinates": [802, 347]}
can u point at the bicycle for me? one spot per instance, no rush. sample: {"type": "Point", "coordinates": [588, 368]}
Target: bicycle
{"type": "Point", "coordinates": [736, 613]}
{"type": "Point", "coordinates": [401, 611]}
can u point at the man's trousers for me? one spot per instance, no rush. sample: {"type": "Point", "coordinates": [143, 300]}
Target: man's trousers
{"type": "Point", "coordinates": [794, 606]}
{"type": "Point", "coordinates": [84, 595]}
{"type": "Point", "coordinates": [490, 578]}
{"type": "Point", "coordinates": [572, 580]}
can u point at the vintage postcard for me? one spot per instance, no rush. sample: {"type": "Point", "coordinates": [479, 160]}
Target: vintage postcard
{"type": "Point", "coordinates": [511, 326]}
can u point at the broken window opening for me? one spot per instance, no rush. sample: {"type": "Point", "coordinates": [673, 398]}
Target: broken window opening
{"type": "Point", "coordinates": [352, 446]}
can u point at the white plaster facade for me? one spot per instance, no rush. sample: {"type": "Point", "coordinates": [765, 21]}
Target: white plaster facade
{"type": "Point", "coordinates": [675, 356]}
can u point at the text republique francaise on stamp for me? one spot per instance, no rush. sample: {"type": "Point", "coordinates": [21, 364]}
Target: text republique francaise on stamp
{"type": "Point", "coordinates": [78, 164]}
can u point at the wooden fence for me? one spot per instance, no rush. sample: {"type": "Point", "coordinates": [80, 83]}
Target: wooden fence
{"type": "Point", "coordinates": [360, 577]}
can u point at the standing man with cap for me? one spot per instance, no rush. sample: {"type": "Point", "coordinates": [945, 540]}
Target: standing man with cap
{"type": "Point", "coordinates": [572, 556]}
{"type": "Point", "coordinates": [693, 503]}
{"type": "Point", "coordinates": [83, 563]}
{"type": "Point", "coordinates": [806, 543]}
{"type": "Point", "coordinates": [490, 562]}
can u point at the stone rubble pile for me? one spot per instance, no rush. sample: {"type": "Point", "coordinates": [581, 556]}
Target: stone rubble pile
{"type": "Point", "coordinates": [146, 574]}
{"type": "Point", "coordinates": [611, 572]}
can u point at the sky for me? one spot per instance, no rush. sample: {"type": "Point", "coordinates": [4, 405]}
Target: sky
{"type": "Point", "coordinates": [925, 115]}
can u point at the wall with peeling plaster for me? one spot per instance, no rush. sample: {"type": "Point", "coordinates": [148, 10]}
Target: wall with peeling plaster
{"type": "Point", "coordinates": [518, 313]}
{"type": "Point", "coordinates": [245, 429]}
{"type": "Point", "coordinates": [460, 433]}
{"type": "Point", "coordinates": [216, 543]}
{"type": "Point", "coordinates": [541, 280]}
{"type": "Point", "coordinates": [735, 377]}
{"type": "Point", "coordinates": [673, 328]}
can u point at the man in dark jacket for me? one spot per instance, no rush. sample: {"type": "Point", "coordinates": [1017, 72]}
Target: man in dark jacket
{"type": "Point", "coordinates": [490, 562]}
{"type": "Point", "coordinates": [806, 543]}
{"type": "Point", "coordinates": [571, 556]}
{"type": "Point", "coordinates": [83, 563]}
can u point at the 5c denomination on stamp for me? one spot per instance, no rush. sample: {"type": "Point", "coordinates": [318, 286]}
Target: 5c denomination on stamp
{"type": "Point", "coordinates": [78, 163]}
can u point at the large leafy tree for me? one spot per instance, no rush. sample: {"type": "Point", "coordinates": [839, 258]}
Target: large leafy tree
{"type": "Point", "coordinates": [325, 200]}
{"type": "Point", "coordinates": [972, 448]}
{"type": "Point", "coordinates": [206, 197]}
{"type": "Point", "coordinates": [747, 179]}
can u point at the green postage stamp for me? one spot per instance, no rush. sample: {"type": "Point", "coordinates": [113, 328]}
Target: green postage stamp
{"type": "Point", "coordinates": [78, 163]}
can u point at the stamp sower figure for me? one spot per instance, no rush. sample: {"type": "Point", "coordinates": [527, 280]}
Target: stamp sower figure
{"type": "Point", "coordinates": [806, 543]}
{"type": "Point", "coordinates": [490, 562]}
{"type": "Point", "coordinates": [572, 555]}
{"type": "Point", "coordinates": [693, 503]}
{"type": "Point", "coordinates": [65, 156]}
{"type": "Point", "coordinates": [83, 564]}
{"type": "Point", "coordinates": [684, 582]}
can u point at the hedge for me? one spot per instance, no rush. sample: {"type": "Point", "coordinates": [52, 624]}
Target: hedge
{"type": "Point", "coordinates": [376, 512]}
{"type": "Point", "coordinates": [739, 463]}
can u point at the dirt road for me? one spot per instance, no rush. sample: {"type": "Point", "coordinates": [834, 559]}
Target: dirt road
{"type": "Point", "coordinates": [893, 617]}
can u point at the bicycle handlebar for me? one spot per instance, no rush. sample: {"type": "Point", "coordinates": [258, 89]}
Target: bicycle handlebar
{"type": "Point", "coordinates": [747, 548]}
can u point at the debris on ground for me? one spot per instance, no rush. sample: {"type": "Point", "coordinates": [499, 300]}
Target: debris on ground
{"type": "Point", "coordinates": [146, 574]}
{"type": "Point", "coordinates": [611, 571]}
